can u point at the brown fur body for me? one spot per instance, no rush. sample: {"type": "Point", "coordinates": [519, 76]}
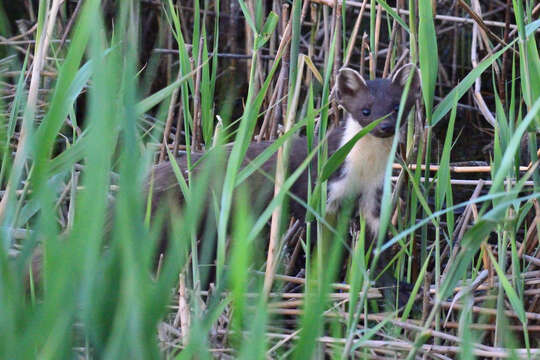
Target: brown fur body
{"type": "Point", "coordinates": [360, 176]}
{"type": "Point", "coordinates": [261, 188]}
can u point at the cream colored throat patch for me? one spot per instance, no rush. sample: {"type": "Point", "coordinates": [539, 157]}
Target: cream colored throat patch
{"type": "Point", "coordinates": [363, 169]}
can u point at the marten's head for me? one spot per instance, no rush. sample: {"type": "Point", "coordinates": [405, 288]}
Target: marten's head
{"type": "Point", "coordinates": [367, 101]}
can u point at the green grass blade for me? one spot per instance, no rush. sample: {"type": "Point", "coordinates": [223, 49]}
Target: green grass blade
{"type": "Point", "coordinates": [428, 54]}
{"type": "Point", "coordinates": [394, 15]}
{"type": "Point", "coordinates": [456, 93]}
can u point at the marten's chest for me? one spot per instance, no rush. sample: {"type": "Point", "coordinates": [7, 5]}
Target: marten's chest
{"type": "Point", "coordinates": [362, 173]}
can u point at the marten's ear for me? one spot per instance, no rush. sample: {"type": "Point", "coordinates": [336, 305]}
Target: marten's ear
{"type": "Point", "coordinates": [350, 86]}
{"type": "Point", "coordinates": [402, 75]}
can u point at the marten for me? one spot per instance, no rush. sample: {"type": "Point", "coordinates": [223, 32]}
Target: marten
{"type": "Point", "coordinates": [359, 177]}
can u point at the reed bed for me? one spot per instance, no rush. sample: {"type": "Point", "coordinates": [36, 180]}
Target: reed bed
{"type": "Point", "coordinates": [93, 93]}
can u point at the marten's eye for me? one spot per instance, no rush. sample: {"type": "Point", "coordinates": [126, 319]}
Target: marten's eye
{"type": "Point", "coordinates": [396, 107]}
{"type": "Point", "coordinates": [366, 112]}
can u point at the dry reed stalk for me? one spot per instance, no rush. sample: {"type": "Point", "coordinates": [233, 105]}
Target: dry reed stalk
{"type": "Point", "coordinates": [468, 182]}
{"type": "Point", "coordinates": [477, 96]}
{"type": "Point", "coordinates": [529, 277]}
{"type": "Point", "coordinates": [273, 117]}
{"type": "Point", "coordinates": [325, 48]}
{"type": "Point", "coordinates": [282, 342]}
{"type": "Point", "coordinates": [248, 48]}
{"type": "Point", "coordinates": [535, 262]}
{"type": "Point", "coordinates": [532, 238]}
{"type": "Point", "coordinates": [491, 327]}
{"type": "Point", "coordinates": [447, 18]}
{"type": "Point", "coordinates": [183, 317]}
{"type": "Point", "coordinates": [40, 55]}
{"type": "Point", "coordinates": [296, 251]}
{"type": "Point", "coordinates": [455, 43]}
{"type": "Point", "coordinates": [488, 311]}
{"type": "Point", "coordinates": [71, 208]}
{"type": "Point", "coordinates": [69, 25]}
{"type": "Point", "coordinates": [457, 169]}
{"type": "Point", "coordinates": [157, 146]}
{"type": "Point", "coordinates": [413, 325]}
{"type": "Point", "coordinates": [44, 74]}
{"type": "Point", "coordinates": [263, 132]}
{"type": "Point", "coordinates": [426, 301]}
{"type": "Point", "coordinates": [372, 293]}
{"type": "Point", "coordinates": [301, 312]}
{"type": "Point", "coordinates": [283, 78]}
{"type": "Point", "coordinates": [159, 266]}
{"type": "Point", "coordinates": [183, 22]}
{"type": "Point", "coordinates": [484, 274]}
{"type": "Point", "coordinates": [79, 188]}
{"type": "Point", "coordinates": [63, 195]}
{"type": "Point", "coordinates": [478, 20]}
{"type": "Point", "coordinates": [20, 42]}
{"type": "Point", "coordinates": [298, 298]}
{"type": "Point", "coordinates": [286, 304]}
{"type": "Point", "coordinates": [504, 66]}
{"type": "Point", "coordinates": [281, 173]}
{"type": "Point", "coordinates": [296, 232]}
{"type": "Point", "coordinates": [168, 123]}
{"type": "Point", "coordinates": [363, 49]}
{"type": "Point", "coordinates": [197, 112]}
{"type": "Point", "coordinates": [373, 64]}
{"type": "Point", "coordinates": [314, 29]}
{"type": "Point", "coordinates": [354, 34]}
{"type": "Point", "coordinates": [337, 61]}
{"type": "Point", "coordinates": [393, 35]}
{"type": "Point", "coordinates": [404, 346]}
{"type": "Point", "coordinates": [258, 81]}
{"type": "Point", "coordinates": [469, 210]}
{"type": "Point", "coordinates": [336, 20]}
{"type": "Point", "coordinates": [13, 39]}
{"type": "Point", "coordinates": [302, 281]}
{"type": "Point", "coordinates": [179, 126]}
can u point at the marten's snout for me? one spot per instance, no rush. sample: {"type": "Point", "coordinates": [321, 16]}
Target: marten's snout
{"type": "Point", "coordinates": [385, 129]}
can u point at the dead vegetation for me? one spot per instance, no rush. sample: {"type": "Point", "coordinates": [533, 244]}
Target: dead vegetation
{"type": "Point", "coordinates": [476, 264]}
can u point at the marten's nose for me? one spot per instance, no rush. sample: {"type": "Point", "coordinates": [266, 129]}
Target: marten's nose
{"type": "Point", "coordinates": [387, 128]}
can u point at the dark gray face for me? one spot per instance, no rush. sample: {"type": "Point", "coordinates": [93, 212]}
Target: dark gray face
{"type": "Point", "coordinates": [370, 100]}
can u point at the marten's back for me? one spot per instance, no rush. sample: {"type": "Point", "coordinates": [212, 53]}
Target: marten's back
{"type": "Point", "coordinates": [260, 183]}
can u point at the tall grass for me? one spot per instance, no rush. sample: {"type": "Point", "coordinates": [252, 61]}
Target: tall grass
{"type": "Point", "coordinates": [72, 142]}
